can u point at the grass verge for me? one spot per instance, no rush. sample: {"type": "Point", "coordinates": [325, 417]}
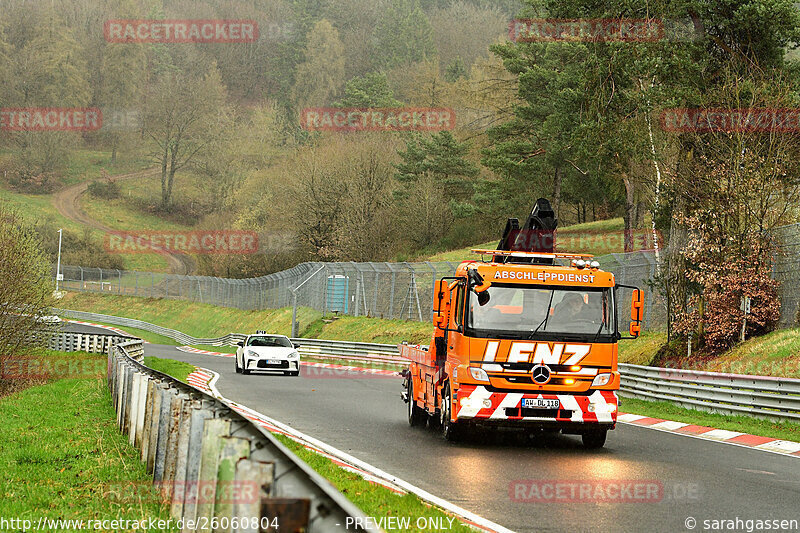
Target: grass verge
{"type": "Point", "coordinates": [642, 350]}
{"type": "Point", "coordinates": [743, 424]}
{"type": "Point", "coordinates": [61, 453]}
{"type": "Point", "coordinates": [376, 501]}
{"type": "Point", "coordinates": [204, 320]}
{"type": "Point", "coordinates": [176, 369]}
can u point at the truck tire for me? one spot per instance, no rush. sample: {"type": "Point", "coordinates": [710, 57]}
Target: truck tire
{"type": "Point", "coordinates": [416, 416]}
{"type": "Point", "coordinates": [594, 439]}
{"type": "Point", "coordinates": [450, 430]}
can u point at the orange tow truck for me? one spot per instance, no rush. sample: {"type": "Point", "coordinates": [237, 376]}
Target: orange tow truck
{"type": "Point", "coordinates": [525, 340]}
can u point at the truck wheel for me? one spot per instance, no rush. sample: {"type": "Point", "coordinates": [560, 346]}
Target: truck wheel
{"type": "Point", "coordinates": [416, 416]}
{"type": "Point", "coordinates": [450, 430]}
{"type": "Point", "coordinates": [594, 439]}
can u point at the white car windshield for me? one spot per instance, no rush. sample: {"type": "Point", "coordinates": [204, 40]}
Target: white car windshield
{"type": "Point", "coordinates": [281, 342]}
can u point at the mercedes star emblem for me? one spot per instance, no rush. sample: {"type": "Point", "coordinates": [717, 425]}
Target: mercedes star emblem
{"type": "Point", "coordinates": [540, 374]}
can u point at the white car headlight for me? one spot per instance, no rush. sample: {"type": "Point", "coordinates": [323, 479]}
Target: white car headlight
{"type": "Point", "coordinates": [294, 355]}
{"type": "Point", "coordinates": [478, 374]}
{"type": "Point", "coordinates": [251, 353]}
{"type": "Point", "coordinates": [602, 379]}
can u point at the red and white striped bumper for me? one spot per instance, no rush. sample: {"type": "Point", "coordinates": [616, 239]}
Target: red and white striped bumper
{"type": "Point", "coordinates": [478, 404]}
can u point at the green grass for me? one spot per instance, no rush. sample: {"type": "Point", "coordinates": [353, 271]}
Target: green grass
{"type": "Point", "coordinates": [176, 369]}
{"type": "Point", "coordinates": [773, 354]}
{"type": "Point", "coordinates": [84, 165]}
{"type": "Point", "coordinates": [203, 320]}
{"type": "Point", "coordinates": [61, 453]}
{"type": "Point", "coordinates": [743, 424]}
{"type": "Point", "coordinates": [35, 207]}
{"type": "Point", "coordinates": [375, 500]}
{"type": "Point", "coordinates": [642, 350]}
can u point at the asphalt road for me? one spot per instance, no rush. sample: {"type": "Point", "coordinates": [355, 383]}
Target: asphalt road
{"type": "Point", "coordinates": [70, 327]}
{"type": "Point", "coordinates": [365, 417]}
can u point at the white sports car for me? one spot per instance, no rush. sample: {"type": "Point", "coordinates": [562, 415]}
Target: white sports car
{"type": "Point", "coordinates": [267, 352]}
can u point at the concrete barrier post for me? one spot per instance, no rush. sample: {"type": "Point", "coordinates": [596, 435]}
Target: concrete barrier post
{"type": "Point", "coordinates": [173, 434]}
{"type": "Point", "coordinates": [179, 490]}
{"type": "Point", "coordinates": [231, 450]}
{"type": "Point", "coordinates": [254, 481]}
{"type": "Point", "coordinates": [213, 430]}
{"type": "Point", "coordinates": [163, 429]}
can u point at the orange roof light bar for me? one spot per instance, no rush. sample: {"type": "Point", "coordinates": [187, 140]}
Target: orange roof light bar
{"type": "Point", "coordinates": [540, 255]}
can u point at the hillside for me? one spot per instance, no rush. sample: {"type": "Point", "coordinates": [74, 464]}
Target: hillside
{"type": "Point", "coordinates": [774, 354]}
{"type": "Point", "coordinates": [599, 237]}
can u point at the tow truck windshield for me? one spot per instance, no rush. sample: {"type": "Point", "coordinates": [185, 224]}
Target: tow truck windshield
{"type": "Point", "coordinates": [530, 312]}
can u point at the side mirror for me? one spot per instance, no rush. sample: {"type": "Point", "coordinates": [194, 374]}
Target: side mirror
{"type": "Point", "coordinates": [637, 309]}
{"type": "Point", "coordinates": [441, 313]}
{"type": "Point", "coordinates": [240, 343]}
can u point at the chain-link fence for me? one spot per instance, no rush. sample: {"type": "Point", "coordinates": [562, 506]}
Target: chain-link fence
{"type": "Point", "coordinates": [786, 269]}
{"type": "Point", "coordinates": [384, 290]}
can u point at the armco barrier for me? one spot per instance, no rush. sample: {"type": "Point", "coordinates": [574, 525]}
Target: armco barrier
{"type": "Point", "coordinates": [736, 394]}
{"type": "Point", "coordinates": [192, 442]}
{"type": "Point", "coordinates": [357, 351]}
{"type": "Point", "coordinates": [81, 342]}
{"type": "Point", "coordinates": [758, 396]}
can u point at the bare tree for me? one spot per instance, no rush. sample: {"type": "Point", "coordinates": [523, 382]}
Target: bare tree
{"type": "Point", "coordinates": [182, 115]}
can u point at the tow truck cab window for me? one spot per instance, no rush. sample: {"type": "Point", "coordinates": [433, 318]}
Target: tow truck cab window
{"type": "Point", "coordinates": [459, 308]}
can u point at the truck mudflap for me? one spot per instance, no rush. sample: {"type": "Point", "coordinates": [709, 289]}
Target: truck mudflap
{"type": "Point", "coordinates": [480, 405]}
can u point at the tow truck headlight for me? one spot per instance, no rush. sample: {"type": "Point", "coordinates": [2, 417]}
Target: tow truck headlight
{"type": "Point", "coordinates": [478, 374]}
{"type": "Point", "coordinates": [602, 379]}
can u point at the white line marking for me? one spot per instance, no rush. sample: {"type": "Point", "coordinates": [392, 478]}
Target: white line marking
{"type": "Point", "coordinates": [670, 425]}
{"type": "Point", "coordinates": [783, 446]}
{"type": "Point", "coordinates": [423, 494]}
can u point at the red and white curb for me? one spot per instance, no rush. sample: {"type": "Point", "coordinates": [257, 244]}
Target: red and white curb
{"type": "Point", "coordinates": [205, 380]}
{"type": "Point", "coordinates": [101, 326]}
{"type": "Point", "coordinates": [330, 366]}
{"type": "Point", "coordinates": [766, 444]}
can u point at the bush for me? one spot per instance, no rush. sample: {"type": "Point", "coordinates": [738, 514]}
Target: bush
{"type": "Point", "coordinates": [26, 290]}
{"type": "Point", "coordinates": [107, 189]}
{"type": "Point", "coordinates": [29, 181]}
{"type": "Point", "coordinates": [718, 306]}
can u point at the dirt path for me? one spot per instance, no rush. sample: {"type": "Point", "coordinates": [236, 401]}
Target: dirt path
{"type": "Point", "coordinates": [67, 202]}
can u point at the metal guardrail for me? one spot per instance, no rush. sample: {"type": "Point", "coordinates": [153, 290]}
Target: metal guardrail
{"type": "Point", "coordinates": [758, 396]}
{"type": "Point", "coordinates": [82, 342]}
{"type": "Point", "coordinates": [215, 467]}
{"type": "Point", "coordinates": [359, 351]}
{"type": "Point", "coordinates": [735, 394]}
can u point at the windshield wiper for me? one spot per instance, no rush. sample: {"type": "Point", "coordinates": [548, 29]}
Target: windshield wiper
{"type": "Point", "coordinates": [602, 325]}
{"type": "Point", "coordinates": [546, 316]}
